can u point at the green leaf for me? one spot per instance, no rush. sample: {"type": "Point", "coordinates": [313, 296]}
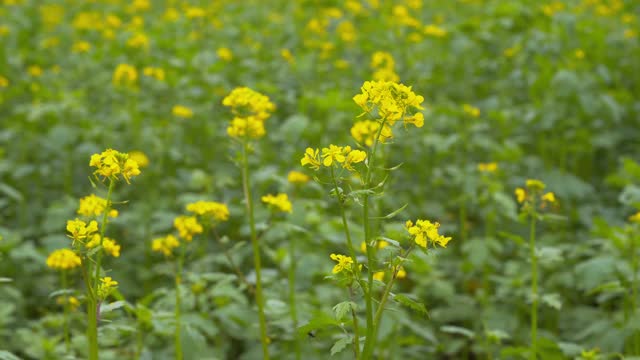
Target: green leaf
{"type": "Point", "coordinates": [516, 238]}
{"type": "Point", "coordinates": [340, 345]}
{"type": "Point", "coordinates": [391, 214]}
{"type": "Point", "coordinates": [5, 355]}
{"type": "Point", "coordinates": [552, 300]}
{"type": "Point", "coordinates": [458, 330]}
{"type": "Point", "coordinates": [319, 320]}
{"type": "Point", "coordinates": [343, 308]}
{"type": "Point", "coordinates": [411, 304]}
{"type": "Point", "coordinates": [60, 292]}
{"type": "Point", "coordinates": [105, 308]}
{"type": "Point", "coordinates": [5, 280]}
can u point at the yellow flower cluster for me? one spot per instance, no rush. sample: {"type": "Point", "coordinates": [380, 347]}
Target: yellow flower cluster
{"type": "Point", "coordinates": [224, 54]}
{"type": "Point", "coordinates": [187, 227]}
{"type": "Point", "coordinates": [72, 301]}
{"type": "Point", "coordinates": [106, 287]}
{"type": "Point", "coordinates": [393, 102]}
{"type": "Point", "coordinates": [280, 202]}
{"type": "Point", "coordinates": [93, 205]}
{"type": "Point", "coordinates": [154, 72]}
{"type": "Point", "coordinates": [344, 263]}
{"type": "Point", "coordinates": [533, 190]}
{"type": "Point", "coordinates": [471, 110]}
{"type": "Point", "coordinates": [380, 245]}
{"type": "Point", "coordinates": [296, 177]}
{"type": "Point", "coordinates": [109, 245]}
{"type": "Point", "coordinates": [182, 112]}
{"type": "Point", "coordinates": [333, 154]}
{"type": "Point", "coordinates": [63, 259]}
{"type": "Point", "coordinates": [125, 75]}
{"type": "Point", "coordinates": [364, 132]}
{"type": "Point", "coordinates": [379, 275]}
{"type": "Point", "coordinates": [111, 163]}
{"type": "Point", "coordinates": [384, 67]}
{"type": "Point", "coordinates": [488, 167]}
{"type": "Point", "coordinates": [635, 218]}
{"type": "Point", "coordinates": [424, 230]}
{"type": "Point", "coordinates": [165, 244]}
{"type": "Point", "coordinates": [434, 30]}
{"type": "Point", "coordinates": [215, 210]}
{"type": "Point", "coordinates": [138, 41]}
{"type": "Point", "coordinates": [80, 231]}
{"type": "Point", "coordinates": [81, 47]}
{"type": "Point", "coordinates": [139, 157]}
{"type": "Point", "coordinates": [250, 109]}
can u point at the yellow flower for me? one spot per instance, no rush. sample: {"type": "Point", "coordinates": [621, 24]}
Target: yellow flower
{"type": "Point", "coordinates": [194, 12]}
{"type": "Point", "coordinates": [534, 184]}
{"type": "Point", "coordinates": [113, 21]}
{"type": "Point", "coordinates": [4, 82]}
{"type": "Point", "coordinates": [635, 218]}
{"type": "Point", "coordinates": [81, 47]}
{"type": "Point", "coordinates": [72, 301]}
{"type": "Point", "coordinates": [109, 245]}
{"type": "Point", "coordinates": [630, 33]}
{"type": "Point", "coordinates": [224, 54]}
{"type": "Point", "coordinates": [139, 157]}
{"type": "Point", "coordinates": [385, 75]}
{"type": "Point", "coordinates": [187, 227]}
{"type": "Point", "coordinates": [334, 153]}
{"type": "Point", "coordinates": [171, 15]}
{"type": "Point", "coordinates": [79, 230]}
{"type": "Point", "coordinates": [111, 163]}
{"type": "Point", "coordinates": [106, 287]}
{"type": "Point", "coordinates": [471, 110]}
{"type": "Point", "coordinates": [296, 177]}
{"type": "Point", "coordinates": [521, 195]}
{"type": "Point", "coordinates": [4, 30]}
{"type": "Point", "coordinates": [125, 75]}
{"type": "Point", "coordinates": [579, 54]}
{"type": "Point", "coordinates": [311, 158]}
{"type": "Point", "coordinates": [245, 102]}
{"type": "Point", "coordinates": [138, 41]}
{"type": "Point", "coordinates": [346, 31]}
{"type": "Point", "coordinates": [165, 244]}
{"type": "Point", "coordinates": [344, 262]}
{"type": "Point", "coordinates": [393, 102]}
{"type": "Point", "coordinates": [512, 51]}
{"type": "Point", "coordinates": [549, 197]}
{"type": "Point", "coordinates": [63, 259]}
{"type": "Point", "coordinates": [287, 55]}
{"type": "Point", "coordinates": [354, 157]}
{"type": "Point", "coordinates": [488, 167]}
{"type": "Point", "coordinates": [382, 60]}
{"type": "Point", "coordinates": [381, 244]}
{"type": "Point", "coordinates": [365, 131]}
{"type": "Point", "coordinates": [378, 275]}
{"type": "Point", "coordinates": [93, 205]}
{"type": "Point", "coordinates": [215, 210]}
{"type": "Point", "coordinates": [154, 72]}
{"type": "Point", "coordinates": [34, 70]}
{"type": "Point", "coordinates": [250, 127]}
{"type": "Point", "coordinates": [434, 30]}
{"type": "Point", "coordinates": [425, 230]}
{"type": "Point", "coordinates": [401, 273]}
{"type": "Point", "coordinates": [279, 201]}
{"type": "Point", "coordinates": [182, 111]}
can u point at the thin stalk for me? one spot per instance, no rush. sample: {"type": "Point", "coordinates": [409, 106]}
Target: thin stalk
{"type": "Point", "coordinates": [367, 352]}
{"type": "Point", "coordinates": [67, 343]}
{"type": "Point", "coordinates": [92, 327]}
{"type": "Point", "coordinates": [292, 295]}
{"type": "Point", "coordinates": [256, 251]}
{"type": "Point", "coordinates": [233, 265]}
{"type": "Point", "coordinates": [356, 329]}
{"type": "Point", "coordinates": [103, 228]}
{"type": "Point", "coordinates": [345, 224]}
{"type": "Point", "coordinates": [634, 279]}
{"type": "Point", "coordinates": [177, 314]}
{"type": "Point", "coordinates": [534, 287]}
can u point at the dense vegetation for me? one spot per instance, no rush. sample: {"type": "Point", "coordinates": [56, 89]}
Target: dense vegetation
{"type": "Point", "coordinates": [447, 179]}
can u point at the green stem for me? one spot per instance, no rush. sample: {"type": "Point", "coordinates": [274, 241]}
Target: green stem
{"type": "Point", "coordinates": [634, 279]}
{"type": "Point", "coordinates": [92, 327]}
{"type": "Point", "coordinates": [177, 315]}
{"type": "Point", "coordinates": [534, 287]}
{"type": "Point", "coordinates": [292, 295]}
{"type": "Point", "coordinates": [65, 325]}
{"type": "Point", "coordinates": [356, 329]}
{"type": "Point", "coordinates": [367, 352]}
{"type": "Point", "coordinates": [256, 251]}
{"type": "Point", "coordinates": [345, 224]}
{"type": "Point", "coordinates": [103, 228]}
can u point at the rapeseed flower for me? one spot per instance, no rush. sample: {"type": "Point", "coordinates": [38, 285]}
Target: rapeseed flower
{"type": "Point", "coordinates": [106, 287]}
{"type": "Point", "coordinates": [93, 205]}
{"type": "Point", "coordinates": [80, 230]}
{"type": "Point", "coordinates": [81, 47]}
{"type": "Point", "coordinates": [635, 218]}
{"type": "Point", "coordinates": [111, 163]}
{"type": "Point", "coordinates": [187, 227]}
{"type": "Point", "coordinates": [165, 244]}
{"type": "Point", "coordinates": [296, 177]}
{"type": "Point", "coordinates": [424, 231]}
{"type": "Point", "coordinates": [249, 127]}
{"type": "Point", "coordinates": [365, 131]}
{"type": "Point", "coordinates": [311, 158]}
{"type": "Point", "coordinates": [63, 259]}
{"type": "Point", "coordinates": [109, 245]}
{"type": "Point", "coordinates": [353, 157]}
{"type": "Point", "coordinates": [344, 262]}
{"type": "Point", "coordinates": [245, 102]}
{"type": "Point", "coordinates": [280, 202]}
{"type": "Point", "coordinates": [182, 111]}
{"type": "Point", "coordinates": [139, 157]}
{"type": "Point", "coordinates": [212, 209]}
{"type": "Point", "coordinates": [393, 102]}
{"type": "Point", "coordinates": [154, 72]}
{"type": "Point", "coordinates": [125, 75]}
{"type": "Point", "coordinates": [224, 54]}
{"type": "Point", "coordinates": [471, 110]}
{"type": "Point", "coordinates": [488, 167]}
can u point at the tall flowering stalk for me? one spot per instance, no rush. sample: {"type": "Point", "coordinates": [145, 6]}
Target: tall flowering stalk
{"type": "Point", "coordinates": [384, 103]}
{"type": "Point", "coordinates": [533, 200]}
{"type": "Point", "coordinates": [89, 243]}
{"type": "Point", "coordinates": [250, 110]}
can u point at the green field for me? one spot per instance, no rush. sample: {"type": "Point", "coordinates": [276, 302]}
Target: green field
{"type": "Point", "coordinates": [315, 179]}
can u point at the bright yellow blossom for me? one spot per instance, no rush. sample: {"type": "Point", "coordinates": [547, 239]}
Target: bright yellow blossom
{"type": "Point", "coordinates": [34, 70]}
{"type": "Point", "coordinates": [521, 195]}
{"type": "Point", "coordinates": [488, 167]}
{"type": "Point", "coordinates": [81, 47]}
{"type": "Point", "coordinates": [393, 102]}
{"type": "Point", "coordinates": [215, 210]}
{"type": "Point", "coordinates": [63, 259]}
{"type": "Point", "coordinates": [579, 54]}
{"type": "Point", "coordinates": [549, 197]}
{"type": "Point", "coordinates": [334, 153]}
{"type": "Point", "coordinates": [365, 131]}
{"type": "Point", "coordinates": [106, 287]}
{"type": "Point", "coordinates": [139, 157]}
{"type": "Point", "coordinates": [471, 110]}
{"type": "Point", "coordinates": [138, 41]}
{"type": "Point", "coordinates": [354, 157]}
{"type": "Point", "coordinates": [287, 55]}
{"type": "Point", "coordinates": [378, 275]}
{"type": "Point", "coordinates": [425, 230]}
{"type": "Point", "coordinates": [311, 158]}
{"type": "Point", "coordinates": [434, 30]}
{"type": "Point", "coordinates": [250, 127]}
{"type": "Point", "coordinates": [635, 218]}
{"type": "Point", "coordinates": [165, 244]}
{"type": "Point", "coordinates": [125, 75]}
{"type": "Point", "coordinates": [109, 245]}
{"type": "Point", "coordinates": [79, 230]}
{"type": "Point", "coordinates": [111, 163]}
{"type": "Point", "coordinates": [344, 262]}
{"type": "Point", "coordinates": [182, 111]}
{"type": "Point", "coordinates": [296, 177]}
{"type": "Point", "coordinates": [534, 184]}
{"type": "Point", "coordinates": [93, 205]}
{"type": "Point", "coordinates": [245, 102]}
{"type": "Point", "coordinates": [279, 201]}
{"type": "Point", "coordinates": [4, 82]}
{"type": "Point", "coordinates": [224, 54]}
{"type": "Point", "coordinates": [379, 244]}
{"type": "Point", "coordinates": [154, 72]}
{"type": "Point", "coordinates": [194, 12]}
{"type": "Point", "coordinates": [187, 227]}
